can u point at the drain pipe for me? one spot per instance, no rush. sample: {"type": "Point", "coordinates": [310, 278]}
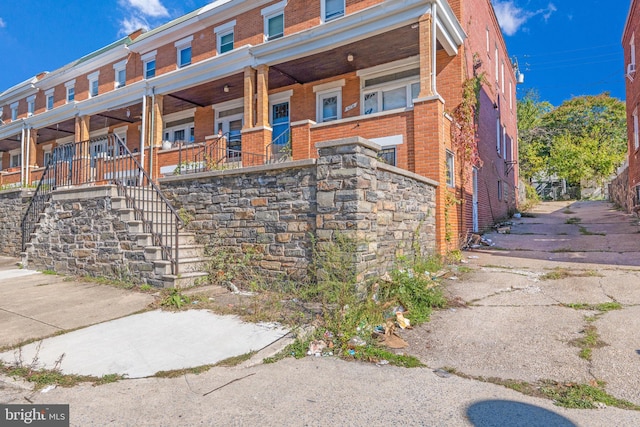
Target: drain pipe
{"type": "Point", "coordinates": [143, 131]}
{"type": "Point", "coordinates": [152, 131]}
{"type": "Point", "coordinates": [22, 157]}
{"type": "Point", "coordinates": [27, 175]}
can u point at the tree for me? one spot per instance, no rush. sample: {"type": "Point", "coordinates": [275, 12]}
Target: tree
{"type": "Point", "coordinates": [587, 136]}
{"type": "Point", "coordinates": [582, 139]}
{"type": "Point", "coordinates": [533, 152]}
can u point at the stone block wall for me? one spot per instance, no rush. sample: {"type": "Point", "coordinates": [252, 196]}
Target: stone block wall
{"type": "Point", "coordinates": [278, 211]}
{"type": "Point", "coordinates": [80, 234]}
{"type": "Point", "coordinates": [13, 204]}
{"type": "Point", "coordinates": [620, 193]}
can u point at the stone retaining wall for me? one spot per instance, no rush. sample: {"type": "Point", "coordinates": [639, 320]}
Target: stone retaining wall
{"type": "Point", "coordinates": [13, 204]}
{"type": "Point", "coordinates": [619, 192]}
{"type": "Point", "coordinates": [80, 234]}
{"type": "Point", "coordinates": [277, 211]}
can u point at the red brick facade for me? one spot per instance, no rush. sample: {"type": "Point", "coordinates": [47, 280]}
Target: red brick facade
{"type": "Point", "coordinates": [350, 63]}
{"type": "Point", "coordinates": [631, 46]}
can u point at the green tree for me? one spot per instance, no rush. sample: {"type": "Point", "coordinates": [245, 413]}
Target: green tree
{"type": "Point", "coordinates": [533, 150]}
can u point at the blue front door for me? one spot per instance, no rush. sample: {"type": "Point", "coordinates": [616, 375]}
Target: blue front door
{"type": "Point", "coordinates": [280, 123]}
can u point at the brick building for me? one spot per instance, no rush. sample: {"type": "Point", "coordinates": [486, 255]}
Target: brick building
{"type": "Point", "coordinates": [629, 197]}
{"type": "Point", "coordinates": [259, 80]}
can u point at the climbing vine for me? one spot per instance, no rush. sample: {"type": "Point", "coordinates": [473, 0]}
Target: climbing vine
{"type": "Point", "coordinates": [464, 134]}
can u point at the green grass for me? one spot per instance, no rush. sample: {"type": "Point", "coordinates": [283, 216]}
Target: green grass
{"type": "Point", "coordinates": [583, 396]}
{"type": "Point", "coordinates": [603, 307]}
{"type": "Point", "coordinates": [586, 232]}
{"type": "Point", "coordinates": [573, 220]}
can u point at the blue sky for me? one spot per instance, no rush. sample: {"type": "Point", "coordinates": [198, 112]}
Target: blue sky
{"type": "Point", "coordinates": [565, 48]}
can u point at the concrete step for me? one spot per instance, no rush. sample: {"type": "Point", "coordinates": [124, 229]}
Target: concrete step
{"type": "Point", "coordinates": [185, 265]}
{"type": "Point", "coordinates": [153, 253]}
{"type": "Point", "coordinates": [183, 280]}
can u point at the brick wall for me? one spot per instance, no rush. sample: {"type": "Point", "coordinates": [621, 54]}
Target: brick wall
{"type": "Point", "coordinates": [632, 29]}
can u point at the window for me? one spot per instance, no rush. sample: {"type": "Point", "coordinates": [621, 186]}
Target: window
{"type": "Point", "coordinates": [274, 21]}
{"type": "Point", "coordinates": [488, 45]}
{"type": "Point", "coordinates": [636, 130]}
{"type": "Point", "coordinates": [502, 76]}
{"type": "Point", "coordinates": [224, 36]}
{"type": "Point", "coordinates": [510, 95]}
{"type": "Point", "coordinates": [633, 50]}
{"type": "Point", "coordinates": [497, 64]}
{"type": "Point", "coordinates": [450, 169]}
{"type": "Point", "coordinates": [332, 9]}
{"type": "Point", "coordinates": [93, 84]}
{"type": "Point", "coordinates": [183, 48]}
{"type": "Point", "coordinates": [14, 111]}
{"type": "Point", "coordinates": [387, 155]}
{"type": "Point", "coordinates": [49, 99]}
{"type": "Point", "coordinates": [504, 142]}
{"type": "Point", "coordinates": [71, 91]}
{"type": "Point", "coordinates": [329, 101]}
{"type": "Point", "coordinates": [47, 155]}
{"type": "Point", "coordinates": [498, 132]}
{"type": "Point", "coordinates": [180, 131]}
{"type": "Point", "coordinates": [499, 190]}
{"type": "Point", "coordinates": [383, 92]}
{"type": "Point", "coordinates": [120, 70]}
{"type": "Point", "coordinates": [149, 64]}
{"type": "Point", "coordinates": [31, 105]}
{"type": "Point", "coordinates": [15, 159]}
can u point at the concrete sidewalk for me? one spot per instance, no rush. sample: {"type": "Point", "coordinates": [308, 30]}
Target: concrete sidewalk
{"type": "Point", "coordinates": [101, 334]}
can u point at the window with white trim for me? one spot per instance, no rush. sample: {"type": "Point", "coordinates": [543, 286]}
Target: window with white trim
{"type": "Point", "coordinates": [498, 133]}
{"type": "Point", "coordinates": [497, 64]}
{"type": "Point", "coordinates": [16, 158]}
{"type": "Point", "coordinates": [14, 111]}
{"type": "Point", "coordinates": [488, 44]}
{"type": "Point", "coordinates": [71, 91]}
{"type": "Point", "coordinates": [120, 71]}
{"type": "Point", "coordinates": [274, 21]}
{"type": "Point", "coordinates": [632, 46]}
{"type": "Point", "coordinates": [332, 9]}
{"type": "Point", "coordinates": [180, 131]}
{"type": "Point", "coordinates": [31, 105]}
{"type": "Point", "coordinates": [391, 90]}
{"type": "Point", "coordinates": [636, 130]}
{"type": "Point", "coordinates": [183, 50]}
{"type": "Point", "coordinates": [389, 148]}
{"type": "Point", "coordinates": [48, 96]}
{"type": "Point", "coordinates": [46, 150]}
{"type": "Point", "coordinates": [450, 169]}
{"type": "Point", "coordinates": [504, 142]}
{"type": "Point", "coordinates": [94, 86]}
{"type": "Point", "coordinates": [510, 95]}
{"type": "Point", "coordinates": [149, 64]}
{"type": "Point", "coordinates": [502, 76]}
{"type": "Point", "coordinates": [225, 36]}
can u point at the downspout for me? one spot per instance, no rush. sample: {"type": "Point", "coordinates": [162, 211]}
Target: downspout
{"type": "Point", "coordinates": [152, 131]}
{"type": "Point", "coordinates": [22, 155]}
{"type": "Point", "coordinates": [27, 175]}
{"type": "Point", "coordinates": [434, 45]}
{"type": "Point", "coordinates": [143, 131]}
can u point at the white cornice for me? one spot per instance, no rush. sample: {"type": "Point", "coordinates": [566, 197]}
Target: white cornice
{"type": "Point", "coordinates": [65, 74]}
{"type": "Point", "coordinates": [18, 91]}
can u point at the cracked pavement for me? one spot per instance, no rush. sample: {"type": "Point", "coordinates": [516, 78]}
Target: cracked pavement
{"type": "Point", "coordinates": [517, 324]}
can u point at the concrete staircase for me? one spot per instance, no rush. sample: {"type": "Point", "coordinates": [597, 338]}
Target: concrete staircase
{"type": "Point", "coordinates": [191, 262]}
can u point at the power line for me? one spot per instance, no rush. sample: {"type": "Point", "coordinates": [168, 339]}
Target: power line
{"type": "Point", "coordinates": [569, 51]}
{"type": "Point", "coordinates": [616, 54]}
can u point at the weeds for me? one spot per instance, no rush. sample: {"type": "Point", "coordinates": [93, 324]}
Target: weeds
{"type": "Point", "coordinates": [563, 273]}
{"type": "Point", "coordinates": [583, 396]}
{"type": "Point", "coordinates": [586, 232]}
{"type": "Point", "coordinates": [573, 220]}
{"type": "Point", "coordinates": [174, 299]}
{"type": "Point", "coordinates": [603, 307]}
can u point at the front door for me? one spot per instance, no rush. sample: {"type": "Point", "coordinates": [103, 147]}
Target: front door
{"type": "Point", "coordinates": [280, 123]}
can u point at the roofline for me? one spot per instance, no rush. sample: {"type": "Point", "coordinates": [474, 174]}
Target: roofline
{"type": "Point", "coordinates": [626, 23]}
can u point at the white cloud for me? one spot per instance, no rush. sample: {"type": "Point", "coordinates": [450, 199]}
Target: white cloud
{"type": "Point", "coordinates": [512, 17]}
{"type": "Point", "coordinates": [131, 24]}
{"type": "Point", "coordinates": [2, 23]}
{"type": "Point", "coordinates": [152, 8]}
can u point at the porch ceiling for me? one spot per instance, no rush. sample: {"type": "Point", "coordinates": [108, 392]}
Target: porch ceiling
{"type": "Point", "coordinates": [10, 143]}
{"type": "Point", "coordinates": [204, 95]}
{"type": "Point", "coordinates": [383, 48]}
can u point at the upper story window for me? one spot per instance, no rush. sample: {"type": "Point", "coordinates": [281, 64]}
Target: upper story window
{"type": "Point", "coordinates": [329, 101]}
{"type": "Point", "coordinates": [504, 142]}
{"type": "Point", "coordinates": [631, 67]}
{"type": "Point", "coordinates": [332, 9]}
{"type": "Point", "coordinates": [149, 64]}
{"type": "Point", "coordinates": [49, 99]}
{"type": "Point", "coordinates": [71, 91]}
{"type": "Point", "coordinates": [636, 130]}
{"type": "Point", "coordinates": [497, 62]}
{"type": "Point", "coordinates": [502, 76]}
{"type": "Point", "coordinates": [450, 169]}
{"type": "Point", "coordinates": [488, 44]}
{"type": "Point", "coordinates": [14, 111]}
{"type": "Point", "coordinates": [498, 133]}
{"type": "Point", "coordinates": [389, 90]}
{"type": "Point", "coordinates": [31, 105]}
{"type": "Point", "coordinates": [183, 48]}
{"type": "Point", "coordinates": [274, 21]}
{"type": "Point", "coordinates": [120, 70]}
{"type": "Point", "coordinates": [94, 86]}
{"type": "Point", "coordinates": [225, 36]}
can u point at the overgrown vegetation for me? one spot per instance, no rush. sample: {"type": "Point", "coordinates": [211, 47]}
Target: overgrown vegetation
{"type": "Point", "coordinates": [559, 273]}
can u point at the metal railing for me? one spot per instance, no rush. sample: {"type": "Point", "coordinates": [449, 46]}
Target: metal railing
{"type": "Point", "coordinates": [214, 154]}
{"type": "Point", "coordinates": [108, 161]}
{"type": "Point", "coordinates": [280, 148]}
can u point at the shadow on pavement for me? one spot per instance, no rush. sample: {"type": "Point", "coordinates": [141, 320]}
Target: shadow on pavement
{"type": "Point", "coordinates": [506, 412]}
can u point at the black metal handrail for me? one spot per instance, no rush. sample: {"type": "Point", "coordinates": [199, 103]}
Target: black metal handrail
{"type": "Point", "coordinates": [215, 154]}
{"type": "Point", "coordinates": [108, 160]}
